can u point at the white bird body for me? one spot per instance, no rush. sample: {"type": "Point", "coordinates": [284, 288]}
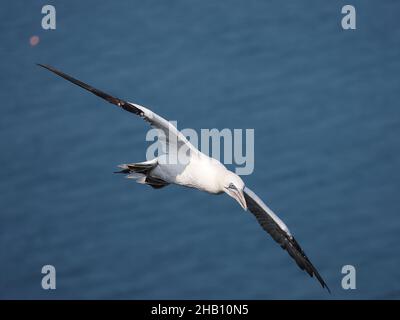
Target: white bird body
{"type": "Point", "coordinates": [202, 172]}
{"type": "Point", "coordinates": [197, 170]}
{"type": "Point", "coordinates": [193, 168]}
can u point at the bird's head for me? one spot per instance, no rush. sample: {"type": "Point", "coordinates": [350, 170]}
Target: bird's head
{"type": "Point", "coordinates": [233, 185]}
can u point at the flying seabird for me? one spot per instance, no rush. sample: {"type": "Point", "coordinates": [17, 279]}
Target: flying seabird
{"type": "Point", "coordinates": [199, 171]}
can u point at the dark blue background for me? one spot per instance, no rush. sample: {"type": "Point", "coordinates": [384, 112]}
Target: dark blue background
{"type": "Point", "coordinates": [324, 104]}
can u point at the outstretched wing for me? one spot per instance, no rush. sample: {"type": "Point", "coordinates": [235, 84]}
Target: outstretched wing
{"type": "Point", "coordinates": [170, 134]}
{"type": "Point", "coordinates": [271, 223]}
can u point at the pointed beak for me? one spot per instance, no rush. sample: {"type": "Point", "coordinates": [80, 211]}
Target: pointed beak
{"type": "Point", "coordinates": [240, 198]}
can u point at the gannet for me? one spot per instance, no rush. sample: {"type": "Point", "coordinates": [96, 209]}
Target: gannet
{"type": "Point", "coordinates": [197, 170]}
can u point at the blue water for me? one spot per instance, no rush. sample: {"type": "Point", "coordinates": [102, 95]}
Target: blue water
{"type": "Point", "coordinates": [324, 104]}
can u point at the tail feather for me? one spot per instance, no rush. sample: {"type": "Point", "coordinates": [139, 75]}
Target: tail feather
{"type": "Point", "coordinates": [141, 173]}
{"type": "Point", "coordinates": [139, 177]}
{"type": "Point", "coordinates": [124, 171]}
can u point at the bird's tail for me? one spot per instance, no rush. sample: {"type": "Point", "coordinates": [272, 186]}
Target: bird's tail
{"type": "Point", "coordinates": [141, 167]}
{"type": "Point", "coordinates": [141, 173]}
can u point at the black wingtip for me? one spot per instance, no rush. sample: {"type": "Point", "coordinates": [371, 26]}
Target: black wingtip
{"type": "Point", "coordinates": [43, 65]}
{"type": "Point", "coordinates": [327, 288]}
{"type": "Point", "coordinates": [111, 99]}
{"type": "Point", "coordinates": [324, 285]}
{"type": "Point", "coordinates": [322, 282]}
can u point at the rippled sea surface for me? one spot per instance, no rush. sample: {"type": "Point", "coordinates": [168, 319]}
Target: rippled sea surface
{"type": "Point", "coordinates": [324, 104]}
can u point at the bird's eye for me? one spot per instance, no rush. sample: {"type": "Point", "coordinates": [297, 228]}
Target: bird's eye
{"type": "Point", "coordinates": [232, 186]}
